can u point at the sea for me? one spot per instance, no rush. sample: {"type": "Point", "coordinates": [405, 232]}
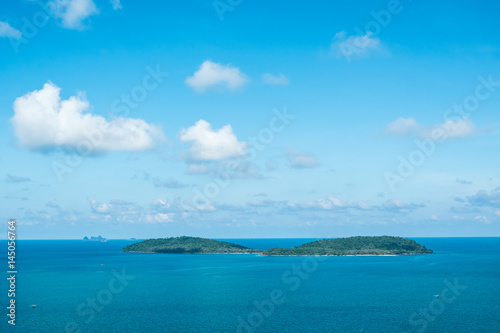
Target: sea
{"type": "Point", "coordinates": [84, 286]}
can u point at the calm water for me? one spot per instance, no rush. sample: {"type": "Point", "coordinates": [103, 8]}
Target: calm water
{"type": "Point", "coordinates": [75, 290]}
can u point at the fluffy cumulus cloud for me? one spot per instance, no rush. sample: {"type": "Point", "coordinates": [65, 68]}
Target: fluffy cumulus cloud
{"type": "Point", "coordinates": [280, 80]}
{"type": "Point", "coordinates": [354, 46]}
{"type": "Point", "coordinates": [460, 128]}
{"type": "Point", "coordinates": [43, 121]}
{"type": "Point", "coordinates": [211, 74]}
{"type": "Point", "coordinates": [7, 31]}
{"type": "Point", "coordinates": [208, 144]}
{"type": "Point", "coordinates": [73, 13]}
{"type": "Point", "coordinates": [300, 160]}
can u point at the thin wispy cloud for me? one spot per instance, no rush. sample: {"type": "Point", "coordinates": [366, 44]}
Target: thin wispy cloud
{"type": "Point", "coordinates": [211, 75]}
{"type": "Point", "coordinates": [114, 207]}
{"type": "Point", "coordinates": [9, 32]}
{"type": "Point", "coordinates": [52, 204]}
{"type": "Point", "coordinates": [460, 128]}
{"type": "Point", "coordinates": [116, 4]}
{"type": "Point", "coordinates": [16, 179]}
{"type": "Point", "coordinates": [332, 203]}
{"type": "Point", "coordinates": [120, 211]}
{"type": "Point", "coordinates": [399, 206]}
{"type": "Point", "coordinates": [352, 47]}
{"type": "Point", "coordinates": [230, 168]}
{"type": "Point", "coordinates": [299, 160]}
{"type": "Point", "coordinates": [485, 198]}
{"type": "Point", "coordinates": [275, 80]}
{"type": "Point", "coordinates": [328, 203]}
{"type": "Point", "coordinates": [167, 183]}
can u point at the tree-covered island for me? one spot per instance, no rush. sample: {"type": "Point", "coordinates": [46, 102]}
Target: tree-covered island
{"type": "Point", "coordinates": [353, 246]}
{"type": "Point", "coordinates": [184, 244]}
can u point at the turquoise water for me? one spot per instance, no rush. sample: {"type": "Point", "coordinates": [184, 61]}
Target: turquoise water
{"type": "Point", "coordinates": [75, 290]}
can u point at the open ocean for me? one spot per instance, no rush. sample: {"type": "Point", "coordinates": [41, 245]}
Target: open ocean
{"type": "Point", "coordinates": [82, 286]}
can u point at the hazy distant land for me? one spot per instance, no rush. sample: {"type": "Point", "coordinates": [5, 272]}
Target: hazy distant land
{"type": "Point", "coordinates": [351, 246]}
{"type": "Point", "coordinates": [95, 239]}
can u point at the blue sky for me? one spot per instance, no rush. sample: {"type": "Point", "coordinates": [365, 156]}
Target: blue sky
{"type": "Point", "coordinates": [249, 119]}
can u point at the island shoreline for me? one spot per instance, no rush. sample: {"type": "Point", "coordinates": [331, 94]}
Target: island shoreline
{"type": "Point", "coordinates": [288, 255]}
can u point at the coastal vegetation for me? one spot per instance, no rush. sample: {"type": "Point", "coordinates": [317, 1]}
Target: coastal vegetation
{"type": "Point", "coordinates": [184, 244]}
{"type": "Point", "coordinates": [350, 246]}
{"type": "Point", "coordinates": [354, 246]}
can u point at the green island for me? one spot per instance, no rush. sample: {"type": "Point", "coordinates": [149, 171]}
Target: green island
{"type": "Point", "coordinates": [354, 246]}
{"type": "Point", "coordinates": [185, 244]}
{"type": "Point", "coordinates": [350, 246]}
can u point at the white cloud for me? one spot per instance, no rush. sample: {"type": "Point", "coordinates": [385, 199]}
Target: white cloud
{"type": "Point", "coordinates": [212, 74]}
{"type": "Point", "coordinates": [300, 160]}
{"type": "Point", "coordinates": [177, 205]}
{"type": "Point", "coordinates": [398, 206]}
{"type": "Point", "coordinates": [100, 208]}
{"type": "Point", "coordinates": [454, 129]}
{"type": "Point", "coordinates": [167, 183]}
{"type": "Point", "coordinates": [198, 168]}
{"type": "Point", "coordinates": [234, 168]}
{"type": "Point", "coordinates": [116, 4]}
{"type": "Point", "coordinates": [123, 211]}
{"type": "Point", "coordinates": [42, 121]}
{"type": "Point", "coordinates": [157, 218]}
{"type": "Point", "coordinates": [210, 145]}
{"type": "Point", "coordinates": [7, 31]}
{"type": "Point", "coordinates": [73, 12]}
{"type": "Point", "coordinates": [460, 128]}
{"type": "Point", "coordinates": [328, 203]}
{"type": "Point", "coordinates": [402, 126]}
{"type": "Point", "coordinates": [354, 46]}
{"type": "Point", "coordinates": [482, 219]}
{"type": "Point", "coordinates": [16, 179]}
{"type": "Point", "coordinates": [363, 205]}
{"type": "Point", "coordinates": [275, 80]}
{"type": "Point", "coordinates": [331, 203]}
{"type": "Point", "coordinates": [485, 198]}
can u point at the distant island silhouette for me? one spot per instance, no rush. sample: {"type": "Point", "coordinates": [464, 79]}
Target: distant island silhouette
{"type": "Point", "coordinates": [350, 246]}
{"type": "Point", "coordinates": [95, 239]}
